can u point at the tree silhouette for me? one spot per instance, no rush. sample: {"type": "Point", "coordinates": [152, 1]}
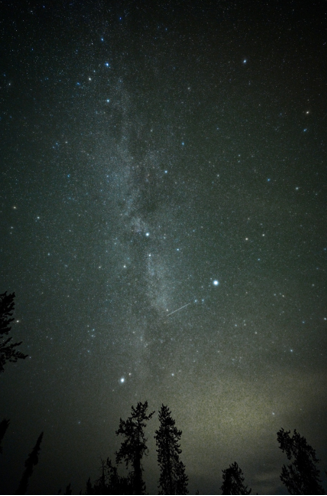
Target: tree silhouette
{"type": "Point", "coordinates": [7, 351]}
{"type": "Point", "coordinates": [4, 424]}
{"type": "Point", "coordinates": [233, 481]}
{"type": "Point", "coordinates": [173, 479]}
{"type": "Point", "coordinates": [301, 476]}
{"type": "Point", "coordinates": [32, 460]}
{"type": "Point", "coordinates": [181, 479]}
{"type": "Point", "coordinates": [134, 446]}
{"type": "Point", "coordinates": [89, 488]}
{"type": "Point", "coordinates": [68, 489]}
{"type": "Point", "coordinates": [109, 482]}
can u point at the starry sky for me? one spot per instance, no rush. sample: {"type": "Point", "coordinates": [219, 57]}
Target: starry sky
{"type": "Point", "coordinates": [163, 225]}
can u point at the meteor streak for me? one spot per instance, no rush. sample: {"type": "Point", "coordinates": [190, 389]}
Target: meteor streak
{"type": "Point", "coordinates": [178, 309]}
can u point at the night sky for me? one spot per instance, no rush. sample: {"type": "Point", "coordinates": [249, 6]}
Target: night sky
{"type": "Point", "coordinates": [163, 225]}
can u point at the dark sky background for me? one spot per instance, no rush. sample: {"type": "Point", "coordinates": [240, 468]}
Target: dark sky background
{"type": "Point", "coordinates": [159, 155]}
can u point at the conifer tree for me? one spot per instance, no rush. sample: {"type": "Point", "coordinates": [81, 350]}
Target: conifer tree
{"type": "Point", "coordinates": [7, 351]}
{"type": "Point", "coordinates": [68, 489]}
{"type": "Point", "coordinates": [32, 460]}
{"type": "Point", "coordinates": [233, 481]}
{"type": "Point", "coordinates": [134, 447]}
{"type": "Point", "coordinates": [173, 479]}
{"type": "Point", "coordinates": [301, 476]}
{"type": "Point", "coordinates": [4, 424]}
{"type": "Point", "coordinates": [181, 481]}
{"type": "Point", "coordinates": [89, 487]}
{"type": "Point", "coordinates": [109, 481]}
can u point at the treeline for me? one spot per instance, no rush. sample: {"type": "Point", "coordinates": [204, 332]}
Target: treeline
{"type": "Point", "coordinates": [300, 475]}
{"type": "Point", "coordinates": [172, 480]}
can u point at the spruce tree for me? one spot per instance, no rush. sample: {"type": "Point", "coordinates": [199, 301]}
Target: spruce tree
{"type": "Point", "coordinates": [109, 481]}
{"type": "Point", "coordinates": [32, 460]}
{"type": "Point", "coordinates": [173, 479]}
{"type": "Point", "coordinates": [68, 489]}
{"type": "Point", "coordinates": [4, 424]}
{"type": "Point", "coordinates": [8, 353]}
{"type": "Point", "coordinates": [233, 481]}
{"type": "Point", "coordinates": [134, 447]}
{"type": "Point", "coordinates": [301, 476]}
{"type": "Point", "coordinates": [89, 487]}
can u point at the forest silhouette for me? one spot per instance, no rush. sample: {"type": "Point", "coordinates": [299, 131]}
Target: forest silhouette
{"type": "Point", "coordinates": [300, 476]}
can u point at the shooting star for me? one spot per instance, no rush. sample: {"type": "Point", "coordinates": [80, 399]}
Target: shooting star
{"type": "Point", "coordinates": [178, 309]}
